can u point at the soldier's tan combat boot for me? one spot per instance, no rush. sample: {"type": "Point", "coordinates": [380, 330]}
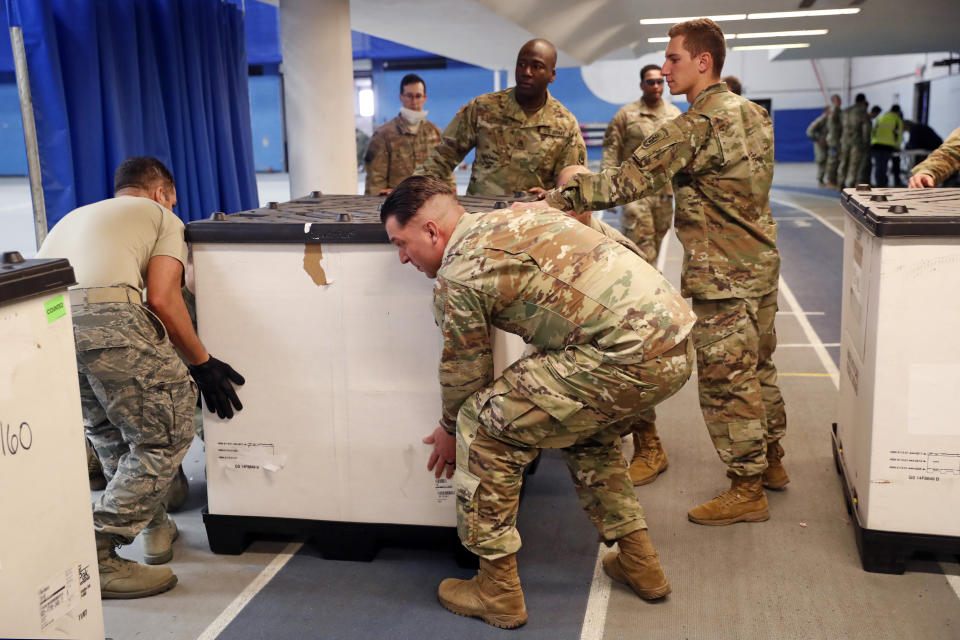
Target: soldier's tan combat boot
{"type": "Point", "coordinates": [744, 501]}
{"type": "Point", "coordinates": [158, 540]}
{"type": "Point", "coordinates": [493, 595]}
{"type": "Point", "coordinates": [122, 578]}
{"type": "Point", "coordinates": [775, 476]}
{"type": "Point", "coordinates": [98, 482]}
{"type": "Point", "coordinates": [637, 565]}
{"type": "Point", "coordinates": [177, 493]}
{"type": "Point", "coordinates": [649, 458]}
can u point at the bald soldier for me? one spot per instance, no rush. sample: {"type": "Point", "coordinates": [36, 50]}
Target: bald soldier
{"type": "Point", "coordinates": [719, 155]}
{"type": "Point", "coordinates": [611, 339]}
{"type": "Point", "coordinates": [645, 221]}
{"type": "Point", "coordinates": [522, 135]}
{"type": "Point", "coordinates": [939, 165]}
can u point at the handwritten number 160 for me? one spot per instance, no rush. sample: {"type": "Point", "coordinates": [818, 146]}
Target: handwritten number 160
{"type": "Point", "coordinates": [11, 442]}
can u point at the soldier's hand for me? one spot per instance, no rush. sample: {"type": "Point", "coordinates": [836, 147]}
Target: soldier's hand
{"type": "Point", "coordinates": [921, 180]}
{"type": "Point", "coordinates": [385, 192]}
{"type": "Point", "coordinates": [216, 379]}
{"type": "Point", "coordinates": [444, 454]}
{"type": "Point", "coordinates": [537, 191]}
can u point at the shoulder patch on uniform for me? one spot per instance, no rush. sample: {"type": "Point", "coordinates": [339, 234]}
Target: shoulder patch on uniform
{"type": "Point", "coordinates": [655, 137]}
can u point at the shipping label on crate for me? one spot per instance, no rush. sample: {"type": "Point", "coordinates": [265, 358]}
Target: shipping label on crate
{"type": "Point", "coordinates": [927, 466]}
{"type": "Point", "coordinates": [249, 456]}
{"type": "Point", "coordinates": [58, 595]}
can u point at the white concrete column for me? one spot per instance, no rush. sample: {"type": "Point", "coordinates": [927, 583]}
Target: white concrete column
{"type": "Point", "coordinates": [318, 96]}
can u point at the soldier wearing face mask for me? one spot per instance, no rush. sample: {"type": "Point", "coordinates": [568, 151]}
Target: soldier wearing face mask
{"type": "Point", "coordinates": [401, 144]}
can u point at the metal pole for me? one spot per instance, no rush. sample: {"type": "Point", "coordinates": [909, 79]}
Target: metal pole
{"type": "Point", "coordinates": [29, 134]}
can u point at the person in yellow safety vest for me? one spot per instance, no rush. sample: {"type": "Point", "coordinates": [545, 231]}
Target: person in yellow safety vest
{"type": "Point", "coordinates": [884, 140]}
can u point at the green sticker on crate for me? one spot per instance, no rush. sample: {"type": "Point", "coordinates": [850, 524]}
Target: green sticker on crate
{"type": "Point", "coordinates": [55, 309]}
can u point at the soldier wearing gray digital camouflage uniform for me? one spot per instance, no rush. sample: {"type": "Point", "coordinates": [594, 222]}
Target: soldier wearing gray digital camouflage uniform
{"type": "Point", "coordinates": [137, 396]}
{"type": "Point", "coordinates": [817, 133]}
{"type": "Point", "coordinates": [522, 136]}
{"type": "Point", "coordinates": [647, 220]}
{"type": "Point", "coordinates": [720, 157]}
{"type": "Point", "coordinates": [611, 339]}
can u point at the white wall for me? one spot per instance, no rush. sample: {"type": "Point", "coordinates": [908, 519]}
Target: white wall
{"type": "Point", "coordinates": [793, 84]}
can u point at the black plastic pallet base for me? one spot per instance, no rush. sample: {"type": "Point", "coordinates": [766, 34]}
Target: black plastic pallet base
{"type": "Point", "coordinates": [335, 540]}
{"type": "Point", "coordinates": [888, 551]}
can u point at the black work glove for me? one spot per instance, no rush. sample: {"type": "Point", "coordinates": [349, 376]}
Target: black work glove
{"type": "Point", "coordinates": [214, 378]}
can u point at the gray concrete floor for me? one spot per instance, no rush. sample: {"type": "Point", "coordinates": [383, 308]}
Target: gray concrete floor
{"type": "Point", "coordinates": [795, 576]}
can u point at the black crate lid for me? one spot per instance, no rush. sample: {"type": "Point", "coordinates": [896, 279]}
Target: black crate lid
{"type": "Point", "coordinates": [316, 218]}
{"type": "Point", "coordinates": [904, 212]}
{"type": "Point", "coordinates": [21, 278]}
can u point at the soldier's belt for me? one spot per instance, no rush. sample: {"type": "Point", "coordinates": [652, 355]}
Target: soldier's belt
{"type": "Point", "coordinates": [99, 295]}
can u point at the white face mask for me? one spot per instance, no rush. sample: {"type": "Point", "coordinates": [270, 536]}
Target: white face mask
{"type": "Point", "coordinates": [411, 116]}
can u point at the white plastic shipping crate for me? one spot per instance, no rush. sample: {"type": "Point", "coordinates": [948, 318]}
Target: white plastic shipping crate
{"type": "Point", "coordinates": [339, 349]}
{"type": "Point", "coordinates": [49, 583]}
{"type": "Point", "coordinates": [898, 433]}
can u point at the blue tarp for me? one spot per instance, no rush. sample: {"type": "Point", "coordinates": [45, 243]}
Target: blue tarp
{"type": "Point", "coordinates": [117, 78]}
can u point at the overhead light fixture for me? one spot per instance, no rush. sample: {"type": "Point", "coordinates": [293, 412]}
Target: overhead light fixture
{"type": "Point", "coordinates": [732, 16]}
{"type": "Point", "coordinates": [783, 34]}
{"type": "Point", "coordinates": [803, 14]}
{"type": "Point", "coordinates": [758, 47]}
{"type": "Point", "coordinates": [728, 36]}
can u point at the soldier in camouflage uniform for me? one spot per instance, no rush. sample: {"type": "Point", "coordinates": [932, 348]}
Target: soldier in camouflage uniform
{"type": "Point", "coordinates": [817, 133]}
{"type": "Point", "coordinates": [834, 134]}
{"type": "Point", "coordinates": [137, 396]}
{"type": "Point", "coordinates": [523, 136]}
{"type": "Point", "coordinates": [402, 144]}
{"type": "Point", "coordinates": [645, 221]}
{"type": "Point", "coordinates": [855, 143]}
{"type": "Point", "coordinates": [611, 338]}
{"type": "Point", "coordinates": [939, 165]}
{"type": "Point", "coordinates": [720, 157]}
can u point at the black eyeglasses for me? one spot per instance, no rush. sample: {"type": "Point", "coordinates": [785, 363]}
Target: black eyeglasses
{"type": "Point", "coordinates": [653, 82]}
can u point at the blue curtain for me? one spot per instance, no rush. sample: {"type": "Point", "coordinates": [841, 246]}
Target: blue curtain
{"type": "Point", "coordinates": [118, 78]}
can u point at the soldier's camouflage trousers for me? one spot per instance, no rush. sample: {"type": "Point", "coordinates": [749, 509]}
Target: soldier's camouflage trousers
{"type": "Point", "coordinates": [852, 161]}
{"type": "Point", "coordinates": [832, 166]}
{"type": "Point", "coordinates": [646, 221]}
{"type": "Point", "coordinates": [500, 430]}
{"type": "Point", "coordinates": [739, 395]}
{"type": "Point", "coordinates": [820, 157]}
{"type": "Point", "coordinates": [138, 400]}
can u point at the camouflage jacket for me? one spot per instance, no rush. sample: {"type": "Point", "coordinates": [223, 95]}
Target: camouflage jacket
{"type": "Point", "coordinates": [720, 157]}
{"type": "Point", "coordinates": [514, 152]}
{"type": "Point", "coordinates": [395, 151]}
{"type": "Point", "coordinates": [856, 126]}
{"type": "Point", "coordinates": [631, 125]}
{"type": "Point", "coordinates": [944, 160]}
{"type": "Point", "coordinates": [616, 236]}
{"type": "Point", "coordinates": [834, 127]}
{"type": "Point", "coordinates": [817, 131]}
{"type": "Point", "coordinates": [558, 284]}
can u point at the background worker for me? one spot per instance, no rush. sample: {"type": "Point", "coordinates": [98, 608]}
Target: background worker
{"type": "Point", "coordinates": [720, 157]}
{"type": "Point", "coordinates": [834, 135]}
{"type": "Point", "coordinates": [571, 394]}
{"type": "Point", "coordinates": [402, 144]}
{"type": "Point", "coordinates": [647, 220]}
{"type": "Point", "coordinates": [817, 132]}
{"type": "Point", "coordinates": [136, 395]}
{"type": "Point", "coordinates": [522, 135]}
{"type": "Point", "coordinates": [885, 141]}
{"type": "Point", "coordinates": [854, 142]}
{"type": "Point", "coordinates": [939, 165]}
